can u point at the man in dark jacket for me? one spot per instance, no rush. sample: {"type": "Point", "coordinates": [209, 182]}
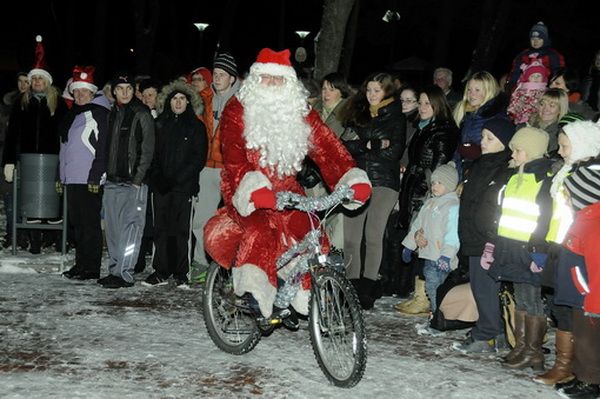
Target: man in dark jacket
{"type": "Point", "coordinates": [130, 150]}
{"type": "Point", "coordinates": [180, 155]}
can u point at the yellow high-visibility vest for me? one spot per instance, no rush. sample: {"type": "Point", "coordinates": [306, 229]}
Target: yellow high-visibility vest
{"type": "Point", "coordinates": [520, 212]}
{"type": "Point", "coordinates": [562, 218]}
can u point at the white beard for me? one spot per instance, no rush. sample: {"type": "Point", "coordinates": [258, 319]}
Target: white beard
{"type": "Point", "coordinates": [275, 125]}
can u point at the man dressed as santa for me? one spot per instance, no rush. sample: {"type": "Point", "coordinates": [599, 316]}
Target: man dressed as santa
{"type": "Point", "coordinates": [266, 132]}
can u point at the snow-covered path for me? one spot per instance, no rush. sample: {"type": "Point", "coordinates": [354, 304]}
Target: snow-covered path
{"type": "Point", "coordinates": [65, 339]}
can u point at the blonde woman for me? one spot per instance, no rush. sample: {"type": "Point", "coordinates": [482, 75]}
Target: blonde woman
{"type": "Point", "coordinates": [553, 105]}
{"type": "Point", "coordinates": [482, 100]}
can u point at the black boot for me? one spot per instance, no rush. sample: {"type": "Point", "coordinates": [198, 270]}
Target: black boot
{"type": "Point", "coordinates": [365, 294]}
{"type": "Point", "coordinates": [406, 281]}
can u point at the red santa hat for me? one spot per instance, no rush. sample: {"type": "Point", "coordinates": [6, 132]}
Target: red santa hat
{"type": "Point", "coordinates": [39, 66]}
{"type": "Point", "coordinates": [83, 78]}
{"type": "Point", "coordinates": [273, 63]}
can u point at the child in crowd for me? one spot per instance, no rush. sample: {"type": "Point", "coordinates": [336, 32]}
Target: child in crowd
{"type": "Point", "coordinates": [583, 239]}
{"type": "Point", "coordinates": [434, 232]}
{"type": "Point", "coordinates": [531, 87]}
{"type": "Point", "coordinates": [520, 250]}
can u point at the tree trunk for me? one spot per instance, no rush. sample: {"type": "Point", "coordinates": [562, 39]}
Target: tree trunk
{"type": "Point", "coordinates": [349, 41]}
{"type": "Point", "coordinates": [494, 18]}
{"type": "Point", "coordinates": [331, 36]}
{"type": "Point", "coordinates": [146, 14]}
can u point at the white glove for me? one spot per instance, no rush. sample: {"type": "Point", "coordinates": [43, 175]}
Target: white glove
{"type": "Point", "coordinates": [9, 168]}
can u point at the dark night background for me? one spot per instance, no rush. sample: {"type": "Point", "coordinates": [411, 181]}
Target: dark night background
{"type": "Point", "coordinates": [103, 32]}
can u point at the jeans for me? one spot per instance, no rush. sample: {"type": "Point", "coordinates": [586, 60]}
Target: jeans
{"type": "Point", "coordinates": [528, 298]}
{"type": "Point", "coordinates": [434, 277]}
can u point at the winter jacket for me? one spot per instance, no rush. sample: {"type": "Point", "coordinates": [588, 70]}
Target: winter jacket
{"type": "Point", "coordinates": [524, 101]}
{"type": "Point", "coordinates": [429, 148]}
{"type": "Point", "coordinates": [33, 130]}
{"type": "Point", "coordinates": [217, 104]}
{"type": "Point", "coordinates": [583, 239]}
{"type": "Point", "coordinates": [135, 122]}
{"type": "Point", "coordinates": [479, 208]}
{"type": "Point", "coordinates": [565, 291]}
{"type": "Point", "coordinates": [512, 257]}
{"type": "Point", "coordinates": [382, 165]}
{"type": "Point", "coordinates": [549, 57]}
{"type": "Point", "coordinates": [180, 151]}
{"type": "Point", "coordinates": [439, 220]}
{"type": "Point", "coordinates": [333, 120]}
{"type": "Point", "coordinates": [82, 154]}
{"type": "Point", "coordinates": [590, 90]}
{"type": "Point", "coordinates": [471, 125]}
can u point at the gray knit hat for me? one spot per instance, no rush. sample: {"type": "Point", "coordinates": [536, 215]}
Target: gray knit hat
{"type": "Point", "coordinates": [226, 62]}
{"type": "Point", "coordinates": [447, 175]}
{"type": "Point", "coordinates": [584, 186]}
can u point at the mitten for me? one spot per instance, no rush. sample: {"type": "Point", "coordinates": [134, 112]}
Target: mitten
{"type": "Point", "coordinates": [488, 256]}
{"type": "Point", "coordinates": [539, 258]}
{"type": "Point", "coordinates": [93, 188]}
{"type": "Point", "coordinates": [362, 192]}
{"type": "Point", "coordinates": [58, 187]}
{"type": "Point", "coordinates": [443, 263]}
{"type": "Point", "coordinates": [263, 199]}
{"type": "Point", "coordinates": [9, 168]}
{"type": "Point", "coordinates": [406, 255]}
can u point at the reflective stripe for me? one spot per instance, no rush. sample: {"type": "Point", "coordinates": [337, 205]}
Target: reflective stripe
{"type": "Point", "coordinates": [562, 218]}
{"type": "Point", "coordinates": [515, 223]}
{"type": "Point", "coordinates": [521, 206]}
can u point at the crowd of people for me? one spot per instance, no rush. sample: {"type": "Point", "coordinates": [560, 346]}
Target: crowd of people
{"type": "Point", "coordinates": [493, 190]}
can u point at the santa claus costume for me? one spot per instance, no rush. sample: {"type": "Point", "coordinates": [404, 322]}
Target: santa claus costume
{"type": "Point", "coordinates": [266, 132]}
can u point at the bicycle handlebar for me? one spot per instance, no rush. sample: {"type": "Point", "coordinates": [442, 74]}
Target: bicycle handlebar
{"type": "Point", "coordinates": [288, 199]}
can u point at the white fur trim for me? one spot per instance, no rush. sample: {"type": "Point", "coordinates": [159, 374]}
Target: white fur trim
{"type": "Point", "coordinates": [82, 85]}
{"type": "Point", "coordinates": [250, 278]}
{"type": "Point", "coordinates": [352, 177]}
{"type": "Point", "coordinates": [300, 301]}
{"type": "Point", "coordinates": [251, 182]}
{"type": "Point", "coordinates": [40, 72]}
{"type": "Point", "coordinates": [271, 68]}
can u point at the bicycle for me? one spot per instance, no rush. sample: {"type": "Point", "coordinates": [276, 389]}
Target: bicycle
{"type": "Point", "coordinates": [336, 326]}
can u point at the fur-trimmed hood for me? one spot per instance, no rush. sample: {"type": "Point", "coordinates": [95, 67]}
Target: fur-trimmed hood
{"type": "Point", "coordinates": [178, 86]}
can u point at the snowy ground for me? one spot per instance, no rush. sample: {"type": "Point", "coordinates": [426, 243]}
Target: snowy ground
{"type": "Point", "coordinates": [64, 339]}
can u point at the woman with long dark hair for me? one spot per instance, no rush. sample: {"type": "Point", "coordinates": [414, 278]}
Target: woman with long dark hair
{"type": "Point", "coordinates": [376, 117]}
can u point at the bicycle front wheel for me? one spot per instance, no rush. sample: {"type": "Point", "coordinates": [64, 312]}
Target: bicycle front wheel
{"type": "Point", "coordinates": [337, 330]}
{"type": "Point", "coordinates": [229, 324]}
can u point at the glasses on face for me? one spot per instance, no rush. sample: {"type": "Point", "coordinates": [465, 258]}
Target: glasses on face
{"type": "Point", "coordinates": [408, 100]}
{"type": "Point", "coordinates": [277, 79]}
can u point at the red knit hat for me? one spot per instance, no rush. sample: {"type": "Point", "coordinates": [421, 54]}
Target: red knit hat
{"type": "Point", "coordinates": [39, 66]}
{"type": "Point", "coordinates": [83, 78]}
{"type": "Point", "coordinates": [205, 72]}
{"type": "Point", "coordinates": [273, 63]}
{"type": "Point", "coordinates": [534, 67]}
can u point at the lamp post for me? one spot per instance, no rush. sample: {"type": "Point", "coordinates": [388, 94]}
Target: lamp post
{"type": "Point", "coordinates": [201, 26]}
{"type": "Point", "coordinates": [300, 55]}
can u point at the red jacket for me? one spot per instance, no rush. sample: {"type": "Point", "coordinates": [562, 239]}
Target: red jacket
{"type": "Point", "coordinates": [583, 239]}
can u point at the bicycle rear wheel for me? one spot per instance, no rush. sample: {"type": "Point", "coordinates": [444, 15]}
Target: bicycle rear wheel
{"type": "Point", "coordinates": [231, 326]}
{"type": "Point", "coordinates": [337, 330]}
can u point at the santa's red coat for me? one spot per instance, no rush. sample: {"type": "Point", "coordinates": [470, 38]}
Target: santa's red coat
{"type": "Point", "coordinates": [249, 239]}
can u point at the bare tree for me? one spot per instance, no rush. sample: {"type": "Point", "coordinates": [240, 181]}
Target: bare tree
{"type": "Point", "coordinates": [331, 37]}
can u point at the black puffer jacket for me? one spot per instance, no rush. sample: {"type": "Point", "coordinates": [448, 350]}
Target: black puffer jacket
{"type": "Point", "coordinates": [479, 209]}
{"type": "Point", "coordinates": [429, 148]}
{"type": "Point", "coordinates": [180, 151]}
{"type": "Point", "coordinates": [382, 165]}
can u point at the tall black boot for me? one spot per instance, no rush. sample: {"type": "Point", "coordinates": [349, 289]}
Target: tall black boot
{"type": "Point", "coordinates": [365, 295]}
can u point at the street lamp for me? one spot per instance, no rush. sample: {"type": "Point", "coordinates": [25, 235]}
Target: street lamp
{"type": "Point", "coordinates": [200, 26]}
{"type": "Point", "coordinates": [302, 33]}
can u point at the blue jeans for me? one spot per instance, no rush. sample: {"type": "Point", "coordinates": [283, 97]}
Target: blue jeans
{"type": "Point", "coordinates": [434, 277]}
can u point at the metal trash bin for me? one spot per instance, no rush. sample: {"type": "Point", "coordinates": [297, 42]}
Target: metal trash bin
{"type": "Point", "coordinates": [37, 181]}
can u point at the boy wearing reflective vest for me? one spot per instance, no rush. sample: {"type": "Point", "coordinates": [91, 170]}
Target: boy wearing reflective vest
{"type": "Point", "coordinates": [520, 250]}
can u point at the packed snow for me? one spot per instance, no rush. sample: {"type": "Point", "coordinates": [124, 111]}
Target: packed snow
{"type": "Point", "coordinates": [68, 339]}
